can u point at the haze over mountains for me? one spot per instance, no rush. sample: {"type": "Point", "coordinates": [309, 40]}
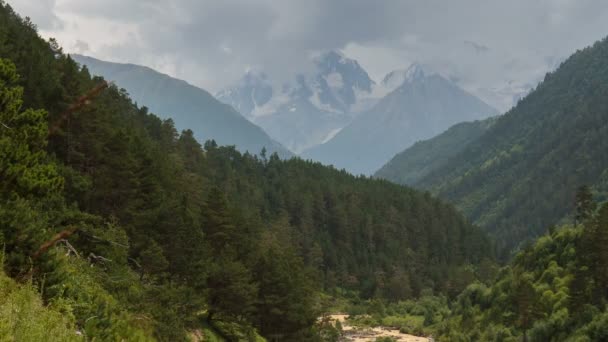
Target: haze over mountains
{"type": "Point", "coordinates": [423, 105]}
{"type": "Point", "coordinates": [309, 109]}
{"type": "Point", "coordinates": [116, 225]}
{"type": "Point", "coordinates": [189, 106]}
{"type": "Point", "coordinates": [338, 115]}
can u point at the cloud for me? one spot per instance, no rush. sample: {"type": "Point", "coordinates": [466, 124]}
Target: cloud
{"type": "Point", "coordinates": [80, 47]}
{"type": "Point", "coordinates": [211, 43]}
{"type": "Point", "coordinates": [40, 11]}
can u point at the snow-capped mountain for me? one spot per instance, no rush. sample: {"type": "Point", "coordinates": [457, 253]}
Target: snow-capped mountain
{"type": "Point", "coordinates": [253, 91]}
{"type": "Point", "coordinates": [311, 108]}
{"type": "Point", "coordinates": [423, 104]}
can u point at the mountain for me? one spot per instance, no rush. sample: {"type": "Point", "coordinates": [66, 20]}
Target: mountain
{"type": "Point", "coordinates": [423, 105]}
{"type": "Point", "coordinates": [190, 107]}
{"type": "Point", "coordinates": [139, 233]}
{"type": "Point", "coordinates": [422, 158]}
{"type": "Point", "coordinates": [309, 109]}
{"type": "Point", "coordinates": [521, 175]}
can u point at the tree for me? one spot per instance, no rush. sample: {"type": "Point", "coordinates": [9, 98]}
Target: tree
{"type": "Point", "coordinates": [218, 227]}
{"type": "Point", "coordinates": [29, 179]}
{"type": "Point", "coordinates": [231, 291]}
{"type": "Point", "coordinates": [525, 300]}
{"type": "Point", "coordinates": [152, 260]}
{"type": "Point", "coordinates": [285, 304]}
{"type": "Point", "coordinates": [600, 251]}
{"type": "Point", "coordinates": [398, 287]}
{"type": "Point", "coordinates": [24, 167]}
{"type": "Point", "coordinates": [585, 206]}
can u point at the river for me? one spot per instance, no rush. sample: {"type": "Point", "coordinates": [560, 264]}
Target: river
{"type": "Point", "coordinates": [356, 334]}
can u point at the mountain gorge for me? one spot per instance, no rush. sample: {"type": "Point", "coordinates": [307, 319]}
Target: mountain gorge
{"type": "Point", "coordinates": [136, 231]}
{"type": "Point", "coordinates": [190, 107]}
{"type": "Point", "coordinates": [120, 224]}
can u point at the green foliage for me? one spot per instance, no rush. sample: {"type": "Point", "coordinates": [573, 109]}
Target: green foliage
{"type": "Point", "coordinates": [29, 179]}
{"type": "Point", "coordinates": [23, 317]}
{"type": "Point", "coordinates": [385, 339]}
{"type": "Point", "coordinates": [522, 174]}
{"type": "Point", "coordinates": [424, 157]}
{"type": "Point", "coordinates": [160, 234]}
{"type": "Point", "coordinates": [585, 206]}
{"type": "Point", "coordinates": [553, 290]}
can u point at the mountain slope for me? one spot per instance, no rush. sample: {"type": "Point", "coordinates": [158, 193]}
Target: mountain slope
{"type": "Point", "coordinates": [309, 109]}
{"type": "Point", "coordinates": [190, 107]}
{"type": "Point", "coordinates": [139, 233]}
{"type": "Point", "coordinates": [520, 177]}
{"type": "Point", "coordinates": [424, 105]}
{"type": "Point", "coordinates": [422, 158]}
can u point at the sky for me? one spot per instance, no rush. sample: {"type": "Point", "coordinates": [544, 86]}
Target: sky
{"type": "Point", "coordinates": [487, 46]}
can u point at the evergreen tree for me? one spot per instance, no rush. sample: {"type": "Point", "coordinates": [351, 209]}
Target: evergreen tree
{"type": "Point", "coordinates": [525, 298]}
{"type": "Point", "coordinates": [585, 206]}
{"type": "Point", "coordinates": [29, 179]}
{"type": "Point", "coordinates": [600, 253]}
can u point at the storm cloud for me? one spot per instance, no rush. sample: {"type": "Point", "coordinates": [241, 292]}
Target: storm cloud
{"type": "Point", "coordinates": [211, 43]}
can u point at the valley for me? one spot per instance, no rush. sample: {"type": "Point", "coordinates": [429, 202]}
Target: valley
{"type": "Point", "coordinates": [318, 198]}
{"type": "Point", "coordinates": [355, 334]}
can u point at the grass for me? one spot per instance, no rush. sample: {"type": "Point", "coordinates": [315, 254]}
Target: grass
{"type": "Point", "coordinates": [23, 317]}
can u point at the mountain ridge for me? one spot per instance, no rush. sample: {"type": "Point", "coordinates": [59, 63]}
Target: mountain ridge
{"type": "Point", "coordinates": [536, 155]}
{"type": "Point", "coordinates": [304, 111]}
{"type": "Point", "coordinates": [191, 107]}
{"type": "Point", "coordinates": [414, 163]}
{"type": "Point", "coordinates": [423, 105]}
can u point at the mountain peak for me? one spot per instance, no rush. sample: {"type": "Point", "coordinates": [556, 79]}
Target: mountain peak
{"type": "Point", "coordinates": [253, 76]}
{"type": "Point", "coordinates": [416, 71]}
{"type": "Point", "coordinates": [332, 57]}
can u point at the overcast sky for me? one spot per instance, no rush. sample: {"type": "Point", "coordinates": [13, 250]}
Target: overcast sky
{"type": "Point", "coordinates": [211, 43]}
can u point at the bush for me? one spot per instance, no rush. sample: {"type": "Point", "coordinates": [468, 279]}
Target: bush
{"type": "Point", "coordinates": [23, 317]}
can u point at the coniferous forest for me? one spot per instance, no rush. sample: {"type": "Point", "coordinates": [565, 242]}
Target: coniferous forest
{"type": "Point", "coordinates": [116, 226]}
{"type": "Point", "coordinates": [136, 230]}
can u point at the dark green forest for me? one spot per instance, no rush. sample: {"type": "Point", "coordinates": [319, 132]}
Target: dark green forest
{"type": "Point", "coordinates": [520, 176]}
{"type": "Point", "coordinates": [132, 230]}
{"type": "Point", "coordinates": [116, 226]}
{"type": "Point", "coordinates": [553, 290]}
{"type": "Point", "coordinates": [416, 162]}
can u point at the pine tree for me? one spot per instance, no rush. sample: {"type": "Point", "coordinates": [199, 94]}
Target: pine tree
{"type": "Point", "coordinates": [231, 291]}
{"type": "Point", "coordinates": [585, 206]}
{"type": "Point", "coordinates": [29, 179]}
{"type": "Point", "coordinates": [219, 230]}
{"type": "Point", "coordinates": [285, 303]}
{"type": "Point", "coordinates": [600, 243]}
{"type": "Point", "coordinates": [525, 301]}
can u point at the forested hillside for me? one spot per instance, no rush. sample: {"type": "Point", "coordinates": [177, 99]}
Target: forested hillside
{"type": "Point", "coordinates": [424, 157]}
{"type": "Point", "coordinates": [137, 232]}
{"type": "Point", "coordinates": [190, 107]}
{"type": "Point", "coordinates": [554, 290]}
{"type": "Point", "coordinates": [520, 176]}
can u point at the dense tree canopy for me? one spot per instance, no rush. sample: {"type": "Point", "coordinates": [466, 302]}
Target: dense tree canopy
{"type": "Point", "coordinates": [157, 233]}
{"type": "Point", "coordinates": [520, 176]}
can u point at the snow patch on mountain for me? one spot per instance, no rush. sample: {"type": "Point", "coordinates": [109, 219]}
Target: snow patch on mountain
{"type": "Point", "coordinates": [334, 80]}
{"type": "Point", "coordinates": [270, 107]}
{"type": "Point", "coordinates": [331, 134]}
